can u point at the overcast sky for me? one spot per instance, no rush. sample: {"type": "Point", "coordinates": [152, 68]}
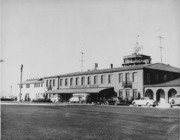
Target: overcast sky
{"type": "Point", "coordinates": [47, 36]}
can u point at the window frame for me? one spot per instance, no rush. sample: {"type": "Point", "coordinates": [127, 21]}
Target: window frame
{"type": "Point", "coordinates": [77, 81]}
{"type": "Point", "coordinates": [53, 82]}
{"type": "Point", "coordinates": [134, 77]}
{"type": "Point", "coordinates": [71, 81]}
{"type": "Point", "coordinates": [95, 80]}
{"type": "Point", "coordinates": [102, 79]}
{"type": "Point", "coordinates": [120, 77]}
{"type": "Point", "coordinates": [128, 77]}
{"type": "Point", "coordinates": [27, 85]}
{"type": "Point", "coordinates": [83, 80]}
{"type": "Point", "coordinates": [109, 78]}
{"type": "Point", "coordinates": [66, 81]}
{"type": "Point", "coordinates": [128, 93]}
{"type": "Point", "coordinates": [89, 80]}
{"type": "Point", "coordinates": [121, 93]}
{"type": "Point", "coordinates": [61, 82]}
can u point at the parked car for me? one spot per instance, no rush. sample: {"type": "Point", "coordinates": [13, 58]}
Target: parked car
{"type": "Point", "coordinates": [175, 100]}
{"type": "Point", "coordinates": [127, 101]}
{"type": "Point", "coordinates": [8, 98]}
{"type": "Point", "coordinates": [54, 99]}
{"type": "Point", "coordinates": [144, 101]}
{"type": "Point", "coordinates": [80, 98]}
{"type": "Point", "coordinates": [74, 100]}
{"type": "Point", "coordinates": [118, 101]}
{"type": "Point", "coordinates": [112, 100]}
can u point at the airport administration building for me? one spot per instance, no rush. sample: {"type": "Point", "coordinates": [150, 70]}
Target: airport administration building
{"type": "Point", "coordinates": [137, 77]}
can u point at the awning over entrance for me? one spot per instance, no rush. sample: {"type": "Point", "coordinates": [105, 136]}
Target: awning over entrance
{"type": "Point", "coordinates": [79, 90]}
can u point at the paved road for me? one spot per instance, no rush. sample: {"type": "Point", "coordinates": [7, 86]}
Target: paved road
{"type": "Point", "coordinates": [89, 122]}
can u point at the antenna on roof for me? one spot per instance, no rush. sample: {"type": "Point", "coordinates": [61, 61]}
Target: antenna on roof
{"type": "Point", "coordinates": [137, 47]}
{"type": "Point", "coordinates": [160, 39]}
{"type": "Point", "coordinates": [82, 60]}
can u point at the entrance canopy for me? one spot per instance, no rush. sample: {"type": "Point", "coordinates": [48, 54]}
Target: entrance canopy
{"type": "Point", "coordinates": [79, 90]}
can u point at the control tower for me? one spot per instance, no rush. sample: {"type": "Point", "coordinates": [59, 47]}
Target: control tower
{"type": "Point", "coordinates": [136, 59]}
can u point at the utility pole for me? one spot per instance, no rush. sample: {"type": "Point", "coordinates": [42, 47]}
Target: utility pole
{"type": "Point", "coordinates": [160, 39]}
{"type": "Point", "coordinates": [20, 82]}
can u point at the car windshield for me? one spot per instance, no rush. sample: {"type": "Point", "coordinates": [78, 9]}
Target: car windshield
{"type": "Point", "coordinates": [74, 97]}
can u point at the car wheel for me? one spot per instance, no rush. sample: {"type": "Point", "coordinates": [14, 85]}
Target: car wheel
{"type": "Point", "coordinates": [134, 104]}
{"type": "Point", "coordinates": [106, 103]}
{"type": "Point", "coordinates": [171, 103]}
{"type": "Point", "coordinates": [148, 104]}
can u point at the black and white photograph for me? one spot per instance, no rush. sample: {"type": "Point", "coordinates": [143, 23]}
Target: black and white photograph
{"type": "Point", "coordinates": [90, 69]}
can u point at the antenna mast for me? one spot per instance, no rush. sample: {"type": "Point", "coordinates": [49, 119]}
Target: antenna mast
{"type": "Point", "coordinates": [137, 47]}
{"type": "Point", "coordinates": [160, 39]}
{"type": "Point", "coordinates": [137, 40]}
{"type": "Point", "coordinates": [82, 60]}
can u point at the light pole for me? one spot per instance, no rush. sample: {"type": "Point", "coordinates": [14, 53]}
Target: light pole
{"type": "Point", "coordinates": [20, 83]}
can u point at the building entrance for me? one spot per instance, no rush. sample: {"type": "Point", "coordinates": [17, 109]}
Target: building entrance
{"type": "Point", "coordinates": [172, 92]}
{"type": "Point", "coordinates": [149, 93]}
{"type": "Point", "coordinates": [160, 96]}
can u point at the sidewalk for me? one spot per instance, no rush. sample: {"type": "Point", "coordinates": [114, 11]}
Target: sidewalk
{"type": "Point", "coordinates": [39, 103]}
{"type": "Point", "coordinates": [160, 106]}
{"type": "Point", "coordinates": [33, 103]}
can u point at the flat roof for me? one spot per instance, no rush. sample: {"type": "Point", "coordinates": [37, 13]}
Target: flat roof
{"type": "Point", "coordinates": [32, 81]}
{"type": "Point", "coordinates": [136, 55]}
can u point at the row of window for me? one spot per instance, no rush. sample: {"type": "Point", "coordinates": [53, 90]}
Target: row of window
{"type": "Point", "coordinates": [77, 80]}
{"type": "Point", "coordinates": [40, 95]}
{"type": "Point", "coordinates": [157, 77]}
{"type": "Point", "coordinates": [81, 80]}
{"type": "Point", "coordinates": [127, 77]}
{"type": "Point", "coordinates": [89, 80]}
{"type": "Point", "coordinates": [35, 85]}
{"type": "Point", "coordinates": [51, 82]}
{"type": "Point", "coordinates": [134, 95]}
{"type": "Point", "coordinates": [38, 85]}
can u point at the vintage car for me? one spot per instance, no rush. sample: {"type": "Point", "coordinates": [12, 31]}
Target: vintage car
{"type": "Point", "coordinates": [118, 101]}
{"type": "Point", "coordinates": [74, 99]}
{"type": "Point", "coordinates": [80, 98]}
{"type": "Point", "coordinates": [144, 101]}
{"type": "Point", "coordinates": [175, 100]}
{"type": "Point", "coordinates": [112, 101]}
{"type": "Point", "coordinates": [54, 99]}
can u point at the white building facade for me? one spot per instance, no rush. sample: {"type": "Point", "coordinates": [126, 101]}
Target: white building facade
{"type": "Point", "coordinates": [32, 88]}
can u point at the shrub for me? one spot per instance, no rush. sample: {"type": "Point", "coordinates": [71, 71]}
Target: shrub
{"type": "Point", "coordinates": [40, 100]}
